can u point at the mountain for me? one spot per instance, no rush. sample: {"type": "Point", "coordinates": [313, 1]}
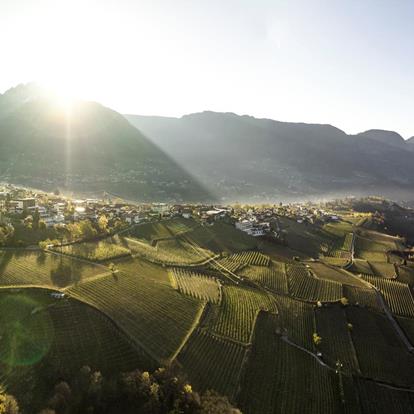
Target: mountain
{"type": "Point", "coordinates": [244, 158]}
{"type": "Point", "coordinates": [410, 143]}
{"type": "Point", "coordinates": [84, 147]}
{"type": "Point", "coordinates": [384, 137]}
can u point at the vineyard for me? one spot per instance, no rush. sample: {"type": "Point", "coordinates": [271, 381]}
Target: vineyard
{"type": "Point", "coordinates": [379, 399]}
{"type": "Point", "coordinates": [360, 266]}
{"type": "Point", "coordinates": [378, 348]}
{"type": "Point", "coordinates": [272, 277]}
{"type": "Point", "coordinates": [220, 237]}
{"type": "Point", "coordinates": [381, 269]}
{"type": "Point", "coordinates": [302, 285]}
{"type": "Point", "coordinates": [368, 249]}
{"type": "Point", "coordinates": [94, 251]}
{"type": "Point", "coordinates": [76, 335]}
{"type": "Point", "coordinates": [213, 363]}
{"type": "Point", "coordinates": [282, 379]}
{"type": "Point", "coordinates": [227, 265]}
{"type": "Point", "coordinates": [43, 269]}
{"type": "Point", "coordinates": [154, 315]}
{"type": "Point", "coordinates": [170, 252]}
{"type": "Point", "coordinates": [163, 229]}
{"type": "Point", "coordinates": [250, 258]}
{"type": "Point", "coordinates": [238, 310]}
{"type": "Point", "coordinates": [196, 285]}
{"type": "Point", "coordinates": [325, 272]}
{"type": "Point", "coordinates": [397, 295]}
{"type": "Point", "coordinates": [336, 345]}
{"type": "Point", "coordinates": [297, 321]}
{"type": "Point", "coordinates": [363, 297]}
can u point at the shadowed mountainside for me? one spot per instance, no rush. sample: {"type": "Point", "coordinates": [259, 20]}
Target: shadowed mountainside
{"type": "Point", "coordinates": [86, 147]}
{"type": "Point", "coordinates": [241, 157]}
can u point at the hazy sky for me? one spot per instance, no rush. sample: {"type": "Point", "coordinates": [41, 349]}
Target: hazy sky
{"type": "Point", "coordinates": [345, 62]}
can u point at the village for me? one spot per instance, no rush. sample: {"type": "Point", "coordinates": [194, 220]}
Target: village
{"type": "Point", "coordinates": [22, 206]}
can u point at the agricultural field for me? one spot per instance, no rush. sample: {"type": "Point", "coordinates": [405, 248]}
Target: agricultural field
{"type": "Point", "coordinates": [142, 269]}
{"type": "Point", "coordinates": [397, 295]}
{"type": "Point", "coordinates": [297, 321]}
{"type": "Point", "coordinates": [272, 277]}
{"type": "Point", "coordinates": [236, 316]}
{"type": "Point", "coordinates": [95, 251]}
{"type": "Point", "coordinates": [381, 269]}
{"type": "Point", "coordinates": [61, 337]}
{"type": "Point", "coordinates": [360, 266]}
{"type": "Point", "coordinates": [221, 237]}
{"type": "Point", "coordinates": [379, 399]}
{"type": "Point", "coordinates": [363, 297]}
{"type": "Point", "coordinates": [280, 378]}
{"type": "Point", "coordinates": [253, 258]}
{"type": "Point", "coordinates": [332, 327]}
{"type": "Point", "coordinates": [197, 285]}
{"type": "Point", "coordinates": [165, 229]}
{"type": "Point", "coordinates": [227, 265]}
{"type": "Point", "coordinates": [170, 252]}
{"type": "Point", "coordinates": [379, 349]}
{"type": "Point", "coordinates": [213, 363]}
{"type": "Point", "coordinates": [371, 248]}
{"type": "Point", "coordinates": [155, 316]}
{"type": "Point", "coordinates": [326, 272]}
{"type": "Point", "coordinates": [19, 267]}
{"type": "Point", "coordinates": [303, 285]}
{"type": "Point", "coordinates": [406, 275]}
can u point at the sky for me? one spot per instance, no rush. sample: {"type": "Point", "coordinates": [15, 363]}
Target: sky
{"type": "Point", "coordinates": [349, 63]}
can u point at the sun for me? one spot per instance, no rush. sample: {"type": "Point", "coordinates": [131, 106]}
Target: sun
{"type": "Point", "coordinates": [63, 92]}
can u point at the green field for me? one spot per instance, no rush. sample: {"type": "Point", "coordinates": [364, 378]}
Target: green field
{"type": "Point", "coordinates": [59, 338]}
{"type": "Point", "coordinates": [237, 313]}
{"type": "Point", "coordinates": [280, 378]}
{"type": "Point", "coordinates": [153, 315]}
{"type": "Point", "coordinates": [19, 267]}
{"type": "Point", "coordinates": [163, 229]}
{"type": "Point", "coordinates": [196, 285]}
{"type": "Point", "coordinates": [272, 277]}
{"type": "Point", "coordinates": [303, 285]}
{"type": "Point", "coordinates": [379, 349]}
{"type": "Point", "coordinates": [213, 362]}
{"type": "Point", "coordinates": [95, 251]}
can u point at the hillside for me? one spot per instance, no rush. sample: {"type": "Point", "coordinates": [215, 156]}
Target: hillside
{"type": "Point", "coordinates": [272, 335]}
{"type": "Point", "coordinates": [84, 147]}
{"type": "Point", "coordinates": [244, 158]}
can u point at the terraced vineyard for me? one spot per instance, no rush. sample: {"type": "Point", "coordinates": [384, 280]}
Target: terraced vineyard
{"type": "Point", "coordinates": [379, 399]}
{"type": "Point", "coordinates": [94, 251]}
{"type": "Point", "coordinates": [325, 272]}
{"type": "Point", "coordinates": [297, 321]}
{"type": "Point", "coordinates": [170, 252]}
{"type": "Point", "coordinates": [379, 349]}
{"type": "Point", "coordinates": [272, 277]}
{"type": "Point", "coordinates": [163, 229]}
{"type": "Point", "coordinates": [251, 258]}
{"type": "Point", "coordinates": [75, 334]}
{"type": "Point", "coordinates": [364, 297]}
{"type": "Point", "coordinates": [368, 249]}
{"type": "Point", "coordinates": [302, 285]}
{"type": "Point", "coordinates": [237, 313]}
{"type": "Point", "coordinates": [213, 363]}
{"type": "Point", "coordinates": [382, 269]}
{"type": "Point", "coordinates": [360, 266]}
{"type": "Point", "coordinates": [155, 316]}
{"type": "Point", "coordinates": [397, 295]}
{"type": "Point", "coordinates": [196, 285]}
{"type": "Point", "coordinates": [283, 379]}
{"type": "Point", "coordinates": [43, 269]}
{"type": "Point", "coordinates": [332, 327]}
{"type": "Point", "coordinates": [226, 264]}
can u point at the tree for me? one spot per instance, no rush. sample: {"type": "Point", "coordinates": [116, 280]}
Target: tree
{"type": "Point", "coordinates": [8, 404]}
{"type": "Point", "coordinates": [317, 340]}
{"type": "Point", "coordinates": [103, 223]}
